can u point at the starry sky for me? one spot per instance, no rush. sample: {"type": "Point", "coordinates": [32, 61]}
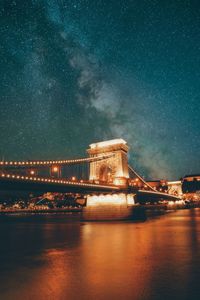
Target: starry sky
{"type": "Point", "coordinates": [77, 72]}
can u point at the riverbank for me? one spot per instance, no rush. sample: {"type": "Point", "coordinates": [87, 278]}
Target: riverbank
{"type": "Point", "coordinates": [40, 211]}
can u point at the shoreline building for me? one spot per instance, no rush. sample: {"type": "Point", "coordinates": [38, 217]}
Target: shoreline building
{"type": "Point", "coordinates": [191, 187]}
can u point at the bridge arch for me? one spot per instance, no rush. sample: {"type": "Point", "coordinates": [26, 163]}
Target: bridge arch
{"type": "Point", "coordinates": [106, 173]}
{"type": "Point", "coordinates": [112, 169]}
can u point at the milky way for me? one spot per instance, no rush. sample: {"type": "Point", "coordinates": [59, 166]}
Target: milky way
{"type": "Point", "coordinates": [76, 72]}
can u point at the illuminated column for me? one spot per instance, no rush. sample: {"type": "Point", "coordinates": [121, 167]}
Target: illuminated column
{"type": "Point", "coordinates": [114, 168]}
{"type": "Point", "coordinates": [110, 166]}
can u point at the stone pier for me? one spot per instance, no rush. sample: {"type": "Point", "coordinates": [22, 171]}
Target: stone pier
{"type": "Point", "coordinates": [111, 170]}
{"type": "Point", "coordinates": [109, 207]}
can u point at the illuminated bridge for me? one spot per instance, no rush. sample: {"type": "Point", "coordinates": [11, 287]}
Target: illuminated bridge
{"type": "Point", "coordinates": [106, 170]}
{"type": "Point", "coordinates": [104, 176]}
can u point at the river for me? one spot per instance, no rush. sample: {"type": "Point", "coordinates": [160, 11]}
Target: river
{"type": "Point", "coordinates": [57, 257]}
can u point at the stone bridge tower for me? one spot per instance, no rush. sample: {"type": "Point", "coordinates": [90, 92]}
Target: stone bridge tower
{"type": "Point", "coordinates": [114, 168]}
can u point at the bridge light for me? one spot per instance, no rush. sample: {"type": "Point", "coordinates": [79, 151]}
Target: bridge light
{"type": "Point", "coordinates": [73, 178]}
{"type": "Point", "coordinates": [55, 169]}
{"type": "Point", "coordinates": [32, 172]}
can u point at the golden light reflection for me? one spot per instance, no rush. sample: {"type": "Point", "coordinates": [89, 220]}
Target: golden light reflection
{"type": "Point", "coordinates": [117, 260]}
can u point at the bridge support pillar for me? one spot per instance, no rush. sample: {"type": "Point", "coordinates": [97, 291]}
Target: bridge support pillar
{"type": "Point", "coordinates": [110, 207]}
{"type": "Point", "coordinates": [112, 169]}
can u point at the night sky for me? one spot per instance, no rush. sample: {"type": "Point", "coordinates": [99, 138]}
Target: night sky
{"type": "Point", "coordinates": [77, 72]}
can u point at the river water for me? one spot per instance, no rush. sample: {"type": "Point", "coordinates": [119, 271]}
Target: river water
{"type": "Point", "coordinates": [58, 257]}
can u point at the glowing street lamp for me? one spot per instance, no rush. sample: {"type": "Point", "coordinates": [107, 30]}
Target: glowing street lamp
{"type": "Point", "coordinates": [55, 171]}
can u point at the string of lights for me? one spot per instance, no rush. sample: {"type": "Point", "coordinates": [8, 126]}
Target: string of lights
{"type": "Point", "coordinates": [52, 162]}
{"type": "Point", "coordinates": [57, 181]}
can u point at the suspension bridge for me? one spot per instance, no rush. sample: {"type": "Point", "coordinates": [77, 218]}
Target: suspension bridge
{"type": "Point", "coordinates": [104, 176]}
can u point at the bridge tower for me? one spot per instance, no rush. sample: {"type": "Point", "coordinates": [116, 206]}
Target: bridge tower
{"type": "Point", "coordinates": [112, 169]}
{"type": "Point", "coordinates": [109, 167]}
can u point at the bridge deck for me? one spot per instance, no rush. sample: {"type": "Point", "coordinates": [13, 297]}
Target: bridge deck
{"type": "Point", "coordinates": [41, 184]}
{"type": "Point", "coordinates": [10, 181]}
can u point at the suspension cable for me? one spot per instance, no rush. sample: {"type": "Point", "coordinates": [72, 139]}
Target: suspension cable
{"type": "Point", "coordinates": [137, 175]}
{"type": "Point", "coordinates": [52, 162]}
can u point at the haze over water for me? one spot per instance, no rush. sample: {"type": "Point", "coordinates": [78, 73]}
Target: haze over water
{"type": "Point", "coordinates": [57, 257]}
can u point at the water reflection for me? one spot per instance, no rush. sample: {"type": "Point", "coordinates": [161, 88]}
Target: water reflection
{"type": "Point", "coordinates": [60, 259]}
